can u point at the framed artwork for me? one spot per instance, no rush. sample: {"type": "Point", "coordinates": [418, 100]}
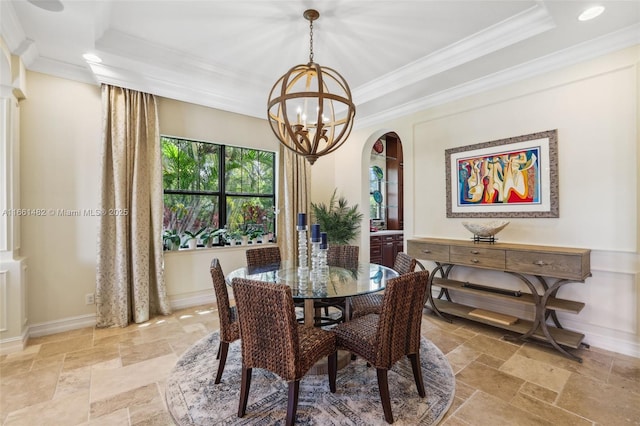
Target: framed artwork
{"type": "Point", "coordinates": [514, 177]}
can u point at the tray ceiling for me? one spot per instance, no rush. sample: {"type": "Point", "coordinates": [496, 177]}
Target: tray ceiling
{"type": "Point", "coordinates": [398, 56]}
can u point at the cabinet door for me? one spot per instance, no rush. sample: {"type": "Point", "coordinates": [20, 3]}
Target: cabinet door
{"type": "Point", "coordinates": [399, 243]}
{"type": "Point", "coordinates": [388, 253]}
{"type": "Point", "coordinates": [375, 250]}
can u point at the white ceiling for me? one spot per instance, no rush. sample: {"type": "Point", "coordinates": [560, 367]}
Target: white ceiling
{"type": "Point", "coordinates": [398, 56]}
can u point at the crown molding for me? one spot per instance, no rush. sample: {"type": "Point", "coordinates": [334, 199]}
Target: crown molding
{"type": "Point", "coordinates": [10, 27]}
{"type": "Point", "coordinates": [522, 26]}
{"type": "Point", "coordinates": [147, 79]}
{"type": "Point", "coordinates": [603, 45]}
{"type": "Point", "coordinates": [63, 70]}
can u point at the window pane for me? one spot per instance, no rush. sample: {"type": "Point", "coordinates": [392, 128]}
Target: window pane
{"type": "Point", "coordinates": [246, 213]}
{"type": "Point", "coordinates": [186, 212]}
{"type": "Point", "coordinates": [249, 171]}
{"type": "Point", "coordinates": [188, 165]}
{"type": "Point", "coordinates": [207, 156]}
{"type": "Point", "coordinates": [192, 173]}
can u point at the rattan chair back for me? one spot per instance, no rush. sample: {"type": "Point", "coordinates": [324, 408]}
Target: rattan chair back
{"type": "Point", "coordinates": [404, 263]}
{"type": "Point", "coordinates": [263, 256]}
{"type": "Point", "coordinates": [344, 256]}
{"type": "Point", "coordinates": [228, 318]}
{"type": "Point", "coordinates": [385, 338]}
{"type": "Point", "coordinates": [273, 340]}
{"type": "Point", "coordinates": [268, 327]}
{"type": "Point", "coordinates": [398, 331]}
{"type": "Point", "coordinates": [229, 327]}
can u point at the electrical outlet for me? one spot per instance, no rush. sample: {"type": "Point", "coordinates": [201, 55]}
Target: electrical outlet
{"type": "Point", "coordinates": [89, 299]}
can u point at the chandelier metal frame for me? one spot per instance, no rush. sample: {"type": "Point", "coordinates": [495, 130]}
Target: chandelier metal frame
{"type": "Point", "coordinates": [301, 89]}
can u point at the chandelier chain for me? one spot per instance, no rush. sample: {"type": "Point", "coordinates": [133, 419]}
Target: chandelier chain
{"type": "Point", "coordinates": [311, 40]}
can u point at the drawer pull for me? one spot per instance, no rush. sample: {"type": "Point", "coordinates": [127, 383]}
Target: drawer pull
{"type": "Point", "coordinates": [475, 261]}
{"type": "Point", "coordinates": [475, 252]}
{"type": "Point", "coordinates": [540, 263]}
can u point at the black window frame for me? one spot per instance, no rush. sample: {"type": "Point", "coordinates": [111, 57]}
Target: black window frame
{"type": "Point", "coordinates": [222, 196]}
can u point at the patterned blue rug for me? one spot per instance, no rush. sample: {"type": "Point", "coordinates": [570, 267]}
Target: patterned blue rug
{"type": "Point", "coordinates": [193, 399]}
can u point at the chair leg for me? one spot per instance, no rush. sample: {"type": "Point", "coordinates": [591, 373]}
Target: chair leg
{"type": "Point", "coordinates": [333, 369]}
{"type": "Point", "coordinates": [383, 385]}
{"type": "Point", "coordinates": [218, 355]}
{"type": "Point", "coordinates": [244, 390]}
{"type": "Point", "coordinates": [292, 405]}
{"type": "Point", "coordinates": [222, 356]}
{"type": "Point", "coordinates": [417, 373]}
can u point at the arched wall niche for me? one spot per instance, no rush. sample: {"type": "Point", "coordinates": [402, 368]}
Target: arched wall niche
{"type": "Point", "coordinates": [389, 214]}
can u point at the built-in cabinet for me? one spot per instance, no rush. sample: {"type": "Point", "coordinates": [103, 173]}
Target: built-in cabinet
{"type": "Point", "coordinates": [384, 246]}
{"type": "Point", "coordinates": [386, 184]}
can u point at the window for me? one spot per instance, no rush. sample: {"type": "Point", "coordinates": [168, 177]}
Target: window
{"type": "Point", "coordinates": [208, 187]}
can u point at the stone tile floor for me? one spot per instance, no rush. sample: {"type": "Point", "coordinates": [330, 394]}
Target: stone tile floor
{"type": "Point", "coordinates": [117, 376]}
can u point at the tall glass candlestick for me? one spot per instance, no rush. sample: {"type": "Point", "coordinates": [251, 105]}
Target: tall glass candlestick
{"type": "Point", "coordinates": [303, 259]}
{"type": "Point", "coordinates": [323, 267]}
{"type": "Point", "coordinates": [315, 259]}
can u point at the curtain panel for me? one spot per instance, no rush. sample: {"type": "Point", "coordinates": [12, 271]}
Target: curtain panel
{"type": "Point", "coordinates": [130, 283]}
{"type": "Point", "coordinates": [294, 189]}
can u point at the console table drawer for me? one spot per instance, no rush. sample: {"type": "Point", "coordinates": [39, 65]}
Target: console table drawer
{"type": "Point", "coordinates": [428, 251]}
{"type": "Point", "coordinates": [479, 257]}
{"type": "Point", "coordinates": [548, 264]}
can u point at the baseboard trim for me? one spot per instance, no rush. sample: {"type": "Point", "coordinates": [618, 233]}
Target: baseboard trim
{"type": "Point", "coordinates": [196, 299]}
{"type": "Point", "coordinates": [13, 344]}
{"type": "Point", "coordinates": [59, 326]}
{"type": "Point", "coordinates": [16, 344]}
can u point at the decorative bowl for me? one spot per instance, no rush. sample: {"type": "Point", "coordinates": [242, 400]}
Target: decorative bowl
{"type": "Point", "coordinates": [488, 229]}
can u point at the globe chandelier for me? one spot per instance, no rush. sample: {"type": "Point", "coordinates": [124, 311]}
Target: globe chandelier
{"type": "Point", "coordinates": [310, 108]}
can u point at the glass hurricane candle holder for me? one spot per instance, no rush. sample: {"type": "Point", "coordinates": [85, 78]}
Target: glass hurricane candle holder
{"type": "Point", "coordinates": [303, 258]}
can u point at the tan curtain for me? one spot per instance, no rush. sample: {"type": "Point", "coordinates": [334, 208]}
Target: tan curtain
{"type": "Point", "coordinates": [130, 284]}
{"type": "Point", "coordinates": [295, 197]}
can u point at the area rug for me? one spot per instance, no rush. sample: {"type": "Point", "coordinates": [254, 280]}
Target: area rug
{"type": "Point", "coordinates": [193, 399]}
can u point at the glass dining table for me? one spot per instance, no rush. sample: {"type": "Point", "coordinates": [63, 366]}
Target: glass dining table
{"type": "Point", "coordinates": [337, 283]}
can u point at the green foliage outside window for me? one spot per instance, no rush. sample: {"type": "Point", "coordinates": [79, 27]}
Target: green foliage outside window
{"type": "Point", "coordinates": [209, 187]}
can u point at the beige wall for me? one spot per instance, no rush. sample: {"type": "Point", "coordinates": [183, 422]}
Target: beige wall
{"type": "Point", "coordinates": [187, 272]}
{"type": "Point", "coordinates": [60, 135]}
{"type": "Point", "coordinates": [594, 106]}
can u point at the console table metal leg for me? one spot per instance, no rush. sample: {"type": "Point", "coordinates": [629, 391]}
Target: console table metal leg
{"type": "Point", "coordinates": [551, 291]}
{"type": "Point", "coordinates": [430, 301]}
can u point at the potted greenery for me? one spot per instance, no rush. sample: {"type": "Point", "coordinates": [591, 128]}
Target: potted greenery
{"type": "Point", "coordinates": [192, 238]}
{"type": "Point", "coordinates": [171, 239]}
{"type": "Point", "coordinates": [211, 237]}
{"type": "Point", "coordinates": [255, 234]}
{"type": "Point", "coordinates": [233, 236]}
{"type": "Point", "coordinates": [337, 219]}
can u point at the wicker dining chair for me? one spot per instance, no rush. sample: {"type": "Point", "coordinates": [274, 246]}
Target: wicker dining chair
{"type": "Point", "coordinates": [273, 340]}
{"type": "Point", "coordinates": [263, 256]}
{"type": "Point", "coordinates": [344, 256]}
{"type": "Point", "coordinates": [372, 303]}
{"type": "Point", "coordinates": [228, 315]}
{"type": "Point", "coordinates": [384, 339]}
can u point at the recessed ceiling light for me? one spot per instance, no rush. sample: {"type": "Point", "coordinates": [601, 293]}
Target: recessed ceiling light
{"type": "Point", "coordinates": [50, 5]}
{"type": "Point", "coordinates": [591, 13]}
{"type": "Point", "coordinates": [90, 57]}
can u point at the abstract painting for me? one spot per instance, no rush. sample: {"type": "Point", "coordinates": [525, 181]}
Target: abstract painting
{"type": "Point", "coordinates": [513, 177]}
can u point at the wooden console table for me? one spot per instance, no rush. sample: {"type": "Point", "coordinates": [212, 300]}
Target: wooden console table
{"type": "Point", "coordinates": [552, 268]}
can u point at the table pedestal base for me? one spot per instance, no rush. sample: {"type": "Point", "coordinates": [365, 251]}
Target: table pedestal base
{"type": "Point", "coordinates": [322, 367]}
